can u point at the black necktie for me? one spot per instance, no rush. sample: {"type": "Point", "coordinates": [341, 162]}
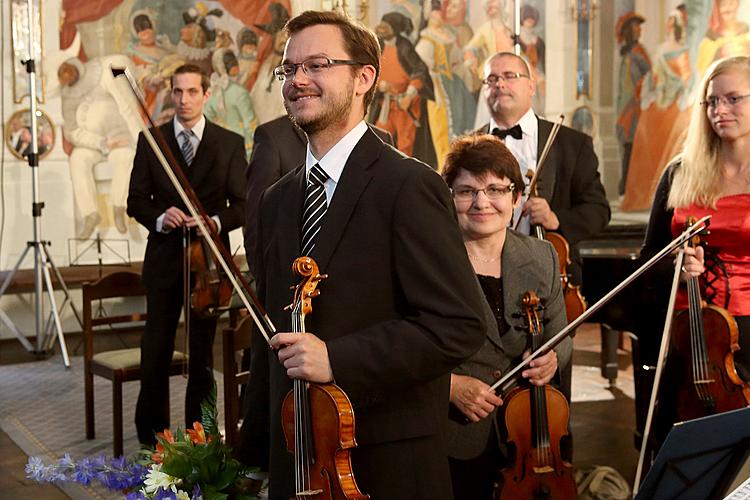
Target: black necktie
{"type": "Point", "coordinates": [315, 208]}
{"type": "Point", "coordinates": [515, 132]}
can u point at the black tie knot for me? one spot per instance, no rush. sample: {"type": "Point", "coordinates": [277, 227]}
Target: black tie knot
{"type": "Point", "coordinates": [515, 132]}
{"type": "Point", "coordinates": [317, 175]}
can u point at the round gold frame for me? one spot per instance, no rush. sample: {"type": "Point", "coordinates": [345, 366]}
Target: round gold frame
{"type": "Point", "coordinates": [18, 134]}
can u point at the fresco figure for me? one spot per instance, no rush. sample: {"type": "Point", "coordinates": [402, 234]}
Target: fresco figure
{"type": "Point", "coordinates": [454, 16]}
{"type": "Point", "coordinates": [229, 102]}
{"type": "Point", "coordinates": [404, 87]}
{"type": "Point", "coordinates": [96, 127]}
{"type": "Point", "coordinates": [266, 90]}
{"type": "Point", "coordinates": [195, 36]}
{"type": "Point", "coordinates": [491, 37]}
{"type": "Point", "coordinates": [247, 55]}
{"type": "Point", "coordinates": [664, 114]}
{"type": "Point", "coordinates": [146, 53]}
{"type": "Point", "coordinates": [451, 114]}
{"type": "Point", "coordinates": [634, 64]}
{"type": "Point", "coordinates": [726, 35]}
{"type": "Point", "coordinates": [532, 46]}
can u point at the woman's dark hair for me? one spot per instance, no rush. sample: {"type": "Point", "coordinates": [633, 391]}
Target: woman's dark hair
{"type": "Point", "coordinates": [482, 154]}
{"type": "Point", "coordinates": [141, 22]}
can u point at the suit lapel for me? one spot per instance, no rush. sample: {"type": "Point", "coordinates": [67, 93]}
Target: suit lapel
{"type": "Point", "coordinates": [354, 178]}
{"type": "Point", "coordinates": [515, 285]}
{"type": "Point", "coordinates": [546, 182]}
{"type": "Point", "coordinates": [289, 221]}
{"type": "Point", "coordinates": [205, 155]}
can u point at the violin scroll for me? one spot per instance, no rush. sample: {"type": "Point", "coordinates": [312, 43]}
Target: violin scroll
{"type": "Point", "coordinates": [307, 269]}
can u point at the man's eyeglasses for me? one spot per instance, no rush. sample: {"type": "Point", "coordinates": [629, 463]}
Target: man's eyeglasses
{"type": "Point", "coordinates": [493, 192]}
{"type": "Point", "coordinates": [507, 76]}
{"type": "Point", "coordinates": [311, 66]}
{"type": "Point", "coordinates": [713, 101]}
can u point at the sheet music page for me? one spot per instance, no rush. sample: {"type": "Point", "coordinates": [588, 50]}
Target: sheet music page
{"type": "Point", "coordinates": [741, 493]}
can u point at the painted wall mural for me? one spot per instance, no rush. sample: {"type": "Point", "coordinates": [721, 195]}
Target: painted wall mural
{"type": "Point", "coordinates": [656, 86]}
{"type": "Point", "coordinates": [428, 94]}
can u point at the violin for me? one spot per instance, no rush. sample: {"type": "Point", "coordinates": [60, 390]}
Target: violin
{"type": "Point", "coordinates": [536, 419]}
{"type": "Point", "coordinates": [211, 292]}
{"type": "Point", "coordinates": [703, 342]}
{"type": "Point", "coordinates": [318, 419]}
{"type": "Point", "coordinates": [575, 303]}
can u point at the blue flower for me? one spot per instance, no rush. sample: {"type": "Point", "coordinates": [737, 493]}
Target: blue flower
{"type": "Point", "coordinates": [165, 494]}
{"type": "Point", "coordinates": [136, 495]}
{"type": "Point", "coordinates": [84, 472]}
{"type": "Point", "coordinates": [35, 469]}
{"type": "Point", "coordinates": [197, 493]}
{"type": "Point", "coordinates": [66, 461]}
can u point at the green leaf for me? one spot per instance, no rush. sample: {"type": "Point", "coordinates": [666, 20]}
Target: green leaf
{"type": "Point", "coordinates": [210, 414]}
{"type": "Point", "coordinates": [177, 465]}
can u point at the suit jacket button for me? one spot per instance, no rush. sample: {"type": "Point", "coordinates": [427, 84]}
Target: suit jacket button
{"type": "Point", "coordinates": [497, 374]}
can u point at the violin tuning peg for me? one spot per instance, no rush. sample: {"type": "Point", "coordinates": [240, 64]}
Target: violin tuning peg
{"type": "Point", "coordinates": [314, 293]}
{"type": "Point", "coordinates": [293, 287]}
{"type": "Point", "coordinates": [288, 308]}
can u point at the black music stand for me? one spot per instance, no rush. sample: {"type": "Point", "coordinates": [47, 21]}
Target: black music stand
{"type": "Point", "coordinates": [700, 458]}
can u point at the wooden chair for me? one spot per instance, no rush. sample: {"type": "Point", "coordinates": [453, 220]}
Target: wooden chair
{"type": "Point", "coordinates": [234, 341]}
{"type": "Point", "coordinates": [121, 365]}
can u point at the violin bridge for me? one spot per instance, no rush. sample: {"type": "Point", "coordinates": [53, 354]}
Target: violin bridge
{"type": "Point", "coordinates": [309, 493]}
{"type": "Point", "coordinates": [545, 469]}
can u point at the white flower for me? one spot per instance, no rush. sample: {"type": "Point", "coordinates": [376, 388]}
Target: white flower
{"type": "Point", "coordinates": [182, 495]}
{"type": "Point", "coordinates": [156, 479]}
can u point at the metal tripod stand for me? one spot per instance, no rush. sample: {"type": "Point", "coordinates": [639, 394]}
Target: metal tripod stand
{"type": "Point", "coordinates": [45, 336]}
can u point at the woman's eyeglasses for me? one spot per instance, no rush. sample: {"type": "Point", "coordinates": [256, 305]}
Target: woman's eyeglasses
{"type": "Point", "coordinates": [713, 101]}
{"type": "Point", "coordinates": [493, 192]}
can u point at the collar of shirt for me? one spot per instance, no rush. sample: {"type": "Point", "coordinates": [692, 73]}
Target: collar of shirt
{"type": "Point", "coordinates": [529, 126]}
{"type": "Point", "coordinates": [197, 129]}
{"type": "Point", "coordinates": [335, 159]}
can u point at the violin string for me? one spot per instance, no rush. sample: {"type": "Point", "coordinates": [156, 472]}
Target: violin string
{"type": "Point", "coordinates": [701, 341]}
{"type": "Point", "coordinates": [300, 472]}
{"type": "Point", "coordinates": [540, 406]}
{"type": "Point", "coordinates": [697, 336]}
{"type": "Point", "coordinates": [694, 332]}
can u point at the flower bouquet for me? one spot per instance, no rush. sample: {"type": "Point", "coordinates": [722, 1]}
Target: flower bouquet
{"type": "Point", "coordinates": [186, 465]}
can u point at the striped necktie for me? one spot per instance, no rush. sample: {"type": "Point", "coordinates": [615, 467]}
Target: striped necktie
{"type": "Point", "coordinates": [315, 208]}
{"type": "Point", "coordinates": [187, 146]}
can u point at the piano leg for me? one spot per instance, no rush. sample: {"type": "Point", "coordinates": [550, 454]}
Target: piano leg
{"type": "Point", "coordinates": [610, 343]}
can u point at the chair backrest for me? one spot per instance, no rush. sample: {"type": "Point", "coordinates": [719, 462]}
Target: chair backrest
{"type": "Point", "coordinates": [115, 285]}
{"type": "Point", "coordinates": [234, 343]}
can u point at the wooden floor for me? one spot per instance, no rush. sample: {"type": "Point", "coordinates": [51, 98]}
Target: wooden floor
{"type": "Point", "coordinates": [602, 430]}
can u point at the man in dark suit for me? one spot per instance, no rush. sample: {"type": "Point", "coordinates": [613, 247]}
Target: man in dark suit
{"type": "Point", "coordinates": [278, 148]}
{"type": "Point", "coordinates": [400, 307]}
{"type": "Point", "coordinates": [213, 159]}
{"type": "Point", "coordinates": [571, 197]}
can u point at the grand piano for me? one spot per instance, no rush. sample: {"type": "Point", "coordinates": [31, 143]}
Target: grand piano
{"type": "Point", "coordinates": [606, 260]}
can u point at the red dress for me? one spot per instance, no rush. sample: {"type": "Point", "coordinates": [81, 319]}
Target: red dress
{"type": "Point", "coordinates": [729, 237]}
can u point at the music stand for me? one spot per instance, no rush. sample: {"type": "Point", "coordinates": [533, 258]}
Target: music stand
{"type": "Point", "coordinates": [700, 458]}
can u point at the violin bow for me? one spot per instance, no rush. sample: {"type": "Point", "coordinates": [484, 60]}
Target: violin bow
{"type": "Point", "coordinates": [509, 377]}
{"type": "Point", "coordinates": [663, 348]}
{"type": "Point", "coordinates": [181, 184]}
{"type": "Point", "coordinates": [542, 159]}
